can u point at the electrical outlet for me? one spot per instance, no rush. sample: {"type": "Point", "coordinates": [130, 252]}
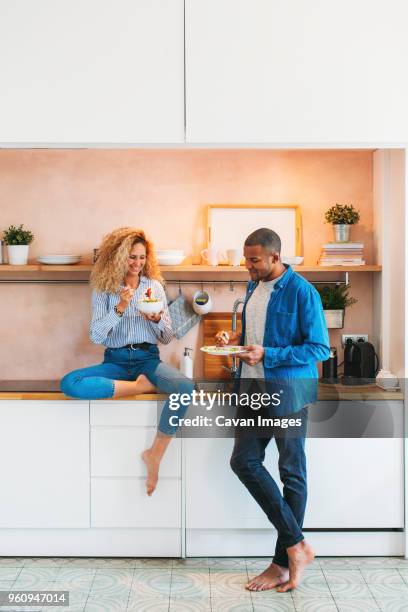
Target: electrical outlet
{"type": "Point", "coordinates": [354, 337]}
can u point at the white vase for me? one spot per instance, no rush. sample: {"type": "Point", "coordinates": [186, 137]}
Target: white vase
{"type": "Point", "coordinates": [17, 254]}
{"type": "Point", "coordinates": [334, 318]}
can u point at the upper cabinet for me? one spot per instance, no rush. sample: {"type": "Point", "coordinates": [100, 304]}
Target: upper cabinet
{"type": "Point", "coordinates": [296, 72]}
{"type": "Point", "coordinates": [91, 72]}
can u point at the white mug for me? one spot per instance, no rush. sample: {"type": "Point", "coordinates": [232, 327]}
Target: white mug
{"type": "Point", "coordinates": [202, 302]}
{"type": "Point", "coordinates": [234, 256]}
{"type": "Point", "coordinates": [212, 256]}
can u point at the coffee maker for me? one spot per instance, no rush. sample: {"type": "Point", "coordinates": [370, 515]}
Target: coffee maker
{"type": "Point", "coordinates": [360, 363]}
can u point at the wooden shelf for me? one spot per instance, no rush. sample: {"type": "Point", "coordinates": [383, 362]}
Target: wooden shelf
{"type": "Point", "coordinates": [189, 269]}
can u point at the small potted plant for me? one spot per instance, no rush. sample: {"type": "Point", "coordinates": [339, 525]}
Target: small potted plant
{"type": "Point", "coordinates": [18, 241]}
{"type": "Point", "coordinates": [335, 299]}
{"type": "Point", "coordinates": [342, 217]}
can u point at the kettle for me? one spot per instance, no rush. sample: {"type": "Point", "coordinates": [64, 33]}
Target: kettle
{"type": "Point", "coordinates": [360, 363]}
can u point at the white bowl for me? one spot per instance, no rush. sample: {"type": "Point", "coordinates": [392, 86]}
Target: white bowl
{"type": "Point", "coordinates": [170, 260]}
{"type": "Point", "coordinates": [150, 307]}
{"type": "Point", "coordinates": [169, 252]}
{"type": "Point", "coordinates": [294, 260]}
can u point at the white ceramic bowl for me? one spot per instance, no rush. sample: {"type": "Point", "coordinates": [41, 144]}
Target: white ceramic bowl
{"type": "Point", "coordinates": [150, 307]}
{"type": "Point", "coordinates": [170, 260]}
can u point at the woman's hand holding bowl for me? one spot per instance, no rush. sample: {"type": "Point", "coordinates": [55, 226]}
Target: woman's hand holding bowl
{"type": "Point", "coordinates": [151, 316]}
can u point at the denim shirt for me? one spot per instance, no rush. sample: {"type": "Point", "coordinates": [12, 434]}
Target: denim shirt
{"type": "Point", "coordinates": [295, 337]}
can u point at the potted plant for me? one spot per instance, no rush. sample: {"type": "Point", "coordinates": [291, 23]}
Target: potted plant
{"type": "Point", "coordinates": [335, 299]}
{"type": "Point", "coordinates": [17, 240]}
{"type": "Point", "coordinates": [342, 217]}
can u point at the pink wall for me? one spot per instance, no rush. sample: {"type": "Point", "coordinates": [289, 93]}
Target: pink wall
{"type": "Point", "coordinates": [71, 198]}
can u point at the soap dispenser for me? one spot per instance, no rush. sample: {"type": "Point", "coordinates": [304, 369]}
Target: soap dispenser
{"type": "Point", "coordinates": [187, 363]}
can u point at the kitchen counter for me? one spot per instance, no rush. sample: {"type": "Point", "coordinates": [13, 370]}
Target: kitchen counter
{"type": "Point", "coordinates": [49, 390]}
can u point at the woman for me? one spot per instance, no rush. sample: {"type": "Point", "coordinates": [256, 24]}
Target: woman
{"type": "Point", "coordinates": [125, 270]}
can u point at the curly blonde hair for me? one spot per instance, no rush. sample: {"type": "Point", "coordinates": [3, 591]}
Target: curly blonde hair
{"type": "Point", "coordinates": [112, 264]}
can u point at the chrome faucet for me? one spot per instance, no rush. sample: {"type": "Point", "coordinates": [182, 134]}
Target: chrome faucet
{"type": "Point", "coordinates": [237, 303]}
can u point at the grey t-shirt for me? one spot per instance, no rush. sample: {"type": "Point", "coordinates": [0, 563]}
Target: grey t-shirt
{"type": "Point", "coordinates": [255, 317]}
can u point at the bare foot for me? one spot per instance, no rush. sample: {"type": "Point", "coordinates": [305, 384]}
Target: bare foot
{"type": "Point", "coordinates": [152, 465]}
{"type": "Point", "coordinates": [143, 385]}
{"type": "Point", "coordinates": [269, 579]}
{"type": "Point", "coordinates": [299, 555]}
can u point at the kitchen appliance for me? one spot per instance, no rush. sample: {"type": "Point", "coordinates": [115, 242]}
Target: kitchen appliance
{"type": "Point", "coordinates": [329, 368]}
{"type": "Point", "coordinates": [360, 363]}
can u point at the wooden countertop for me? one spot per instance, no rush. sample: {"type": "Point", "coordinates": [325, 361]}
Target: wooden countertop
{"type": "Point", "coordinates": [325, 392]}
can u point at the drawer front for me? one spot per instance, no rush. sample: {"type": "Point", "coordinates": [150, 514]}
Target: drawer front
{"type": "Point", "coordinates": [123, 503]}
{"type": "Point", "coordinates": [115, 451]}
{"type": "Point", "coordinates": [136, 413]}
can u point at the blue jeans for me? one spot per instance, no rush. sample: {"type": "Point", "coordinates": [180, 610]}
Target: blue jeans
{"type": "Point", "coordinates": [97, 382]}
{"type": "Point", "coordinates": [285, 512]}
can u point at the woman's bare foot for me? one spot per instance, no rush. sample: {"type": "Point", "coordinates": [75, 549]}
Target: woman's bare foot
{"type": "Point", "coordinates": [143, 385]}
{"type": "Point", "coordinates": [300, 556]}
{"type": "Point", "coordinates": [269, 579]}
{"type": "Point", "coordinates": [152, 465]}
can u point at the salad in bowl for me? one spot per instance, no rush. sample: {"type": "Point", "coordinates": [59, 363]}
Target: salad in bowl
{"type": "Point", "coordinates": [150, 304]}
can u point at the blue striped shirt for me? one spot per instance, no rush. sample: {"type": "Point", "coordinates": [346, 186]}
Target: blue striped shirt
{"type": "Point", "coordinates": [108, 328]}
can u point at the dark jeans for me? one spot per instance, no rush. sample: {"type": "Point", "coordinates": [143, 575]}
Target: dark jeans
{"type": "Point", "coordinates": [285, 512]}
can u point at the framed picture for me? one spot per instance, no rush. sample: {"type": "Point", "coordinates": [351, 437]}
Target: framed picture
{"type": "Point", "coordinates": [229, 224]}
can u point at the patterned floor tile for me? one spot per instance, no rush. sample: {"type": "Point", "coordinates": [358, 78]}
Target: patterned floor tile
{"type": "Point", "coordinates": [190, 605]}
{"type": "Point", "coordinates": [228, 584]}
{"type": "Point", "coordinates": [28, 585]}
{"type": "Point", "coordinates": [152, 563]}
{"type": "Point", "coordinates": [151, 583]}
{"type": "Point", "coordinates": [337, 563]}
{"type": "Point", "coordinates": [381, 562]}
{"type": "Point", "coordinates": [315, 604]}
{"type": "Point", "coordinates": [5, 585]}
{"type": "Point", "coordinates": [78, 577]}
{"type": "Point", "coordinates": [32, 575]}
{"type": "Point", "coordinates": [357, 605]}
{"type": "Point", "coordinates": [231, 604]}
{"type": "Point", "coordinates": [148, 604]}
{"type": "Point", "coordinates": [190, 584]}
{"type": "Point", "coordinates": [10, 573]}
{"type": "Point", "coordinates": [278, 606]}
{"type": "Point", "coordinates": [404, 574]}
{"type": "Point", "coordinates": [97, 603]}
{"type": "Point", "coordinates": [313, 585]}
{"type": "Point", "coordinates": [383, 591]}
{"type": "Point", "coordinates": [382, 576]}
{"type": "Point", "coordinates": [393, 604]}
{"type": "Point", "coordinates": [45, 561]}
{"type": "Point", "coordinates": [12, 561]}
{"type": "Point", "coordinates": [270, 594]}
{"type": "Point", "coordinates": [195, 562]}
{"type": "Point", "coordinates": [101, 562]}
{"type": "Point", "coordinates": [227, 563]}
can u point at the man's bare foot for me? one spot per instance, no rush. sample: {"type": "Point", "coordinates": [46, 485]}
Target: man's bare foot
{"type": "Point", "coordinates": [300, 556]}
{"type": "Point", "coordinates": [269, 579]}
{"type": "Point", "coordinates": [152, 465]}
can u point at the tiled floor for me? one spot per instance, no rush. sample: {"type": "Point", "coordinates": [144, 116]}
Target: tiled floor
{"type": "Point", "coordinates": [213, 585]}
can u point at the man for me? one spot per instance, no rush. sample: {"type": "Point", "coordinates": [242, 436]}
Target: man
{"type": "Point", "coordinates": [285, 334]}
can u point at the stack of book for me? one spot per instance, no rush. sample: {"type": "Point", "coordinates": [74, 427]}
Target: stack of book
{"type": "Point", "coordinates": [342, 254]}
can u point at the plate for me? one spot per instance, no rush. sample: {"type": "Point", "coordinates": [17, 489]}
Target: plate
{"type": "Point", "coordinates": [223, 350]}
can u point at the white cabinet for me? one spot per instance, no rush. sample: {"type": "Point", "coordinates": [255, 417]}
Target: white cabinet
{"type": "Point", "coordinates": [92, 72]}
{"type": "Point", "coordinates": [120, 431]}
{"type": "Point", "coordinates": [352, 482]}
{"type": "Point", "coordinates": [294, 72]}
{"type": "Point", "coordinates": [44, 458]}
